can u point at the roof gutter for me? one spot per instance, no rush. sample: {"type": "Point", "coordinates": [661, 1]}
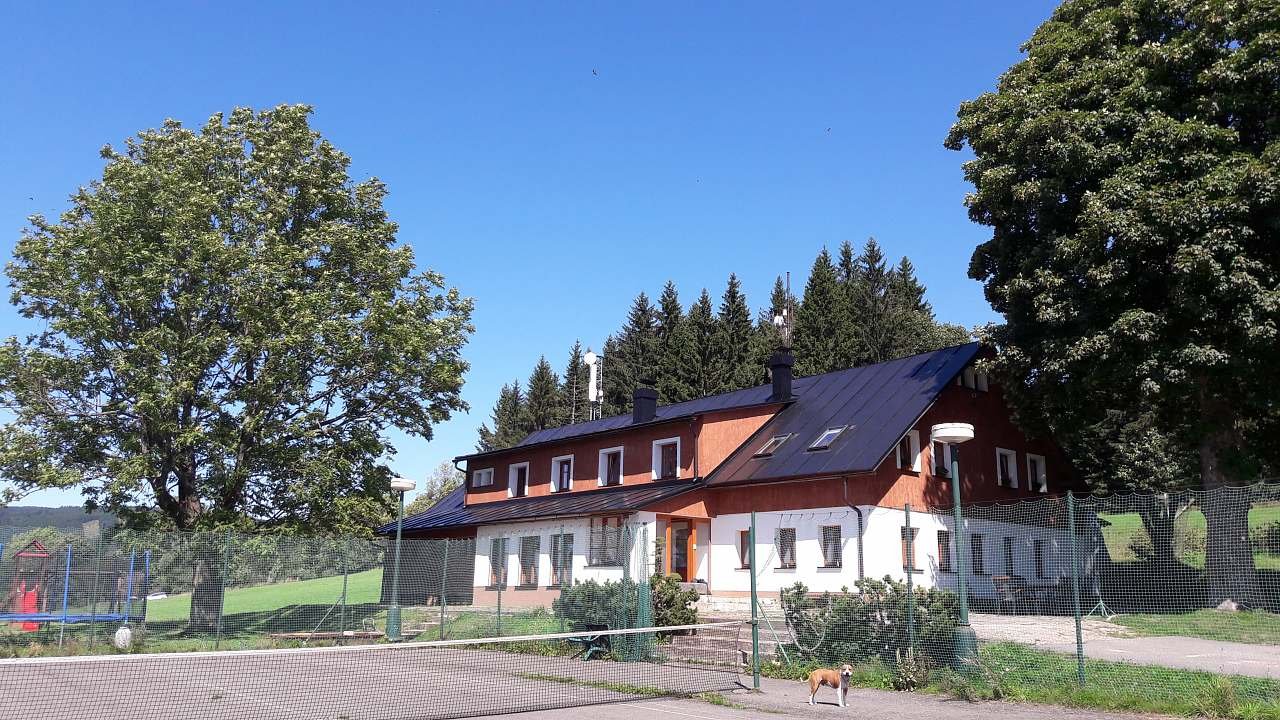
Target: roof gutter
{"type": "Point", "coordinates": [860, 526]}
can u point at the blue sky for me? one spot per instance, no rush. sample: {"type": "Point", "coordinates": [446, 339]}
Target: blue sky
{"type": "Point", "coordinates": [551, 159]}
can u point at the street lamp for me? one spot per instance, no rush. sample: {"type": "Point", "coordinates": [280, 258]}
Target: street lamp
{"type": "Point", "coordinates": [966, 643]}
{"type": "Point", "coordinates": [400, 486]}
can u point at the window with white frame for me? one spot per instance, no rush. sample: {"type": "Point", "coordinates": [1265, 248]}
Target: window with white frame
{"type": "Point", "coordinates": [1037, 479]}
{"type": "Point", "coordinates": [940, 455]}
{"type": "Point", "coordinates": [605, 542]}
{"type": "Point", "coordinates": [786, 546]}
{"type": "Point", "coordinates": [1006, 468]}
{"type": "Point", "coordinates": [498, 562]}
{"type": "Point", "coordinates": [562, 559]}
{"type": "Point", "coordinates": [518, 480]}
{"type": "Point", "coordinates": [944, 551]}
{"type": "Point", "coordinates": [610, 467]}
{"type": "Point", "coordinates": [530, 548]}
{"type": "Point", "coordinates": [666, 459]}
{"type": "Point", "coordinates": [909, 451]}
{"type": "Point", "coordinates": [832, 547]}
{"type": "Point", "coordinates": [562, 473]}
{"type": "Point", "coordinates": [482, 478]}
{"type": "Point", "coordinates": [744, 549]}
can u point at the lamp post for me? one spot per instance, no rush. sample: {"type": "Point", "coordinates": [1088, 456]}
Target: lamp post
{"type": "Point", "coordinates": [400, 486]}
{"type": "Point", "coordinates": [953, 434]}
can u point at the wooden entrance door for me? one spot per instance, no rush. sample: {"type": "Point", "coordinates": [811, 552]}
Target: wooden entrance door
{"type": "Point", "coordinates": [679, 549]}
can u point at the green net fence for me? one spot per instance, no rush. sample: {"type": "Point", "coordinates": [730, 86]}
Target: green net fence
{"type": "Point", "coordinates": [1167, 600]}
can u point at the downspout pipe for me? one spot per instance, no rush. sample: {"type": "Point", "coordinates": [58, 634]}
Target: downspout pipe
{"type": "Point", "coordinates": [860, 525]}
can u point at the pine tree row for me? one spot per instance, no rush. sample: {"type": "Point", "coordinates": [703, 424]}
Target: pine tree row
{"type": "Point", "coordinates": [855, 310]}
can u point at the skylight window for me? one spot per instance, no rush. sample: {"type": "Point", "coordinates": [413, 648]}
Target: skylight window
{"type": "Point", "coordinates": [772, 446]}
{"type": "Point", "coordinates": [827, 437]}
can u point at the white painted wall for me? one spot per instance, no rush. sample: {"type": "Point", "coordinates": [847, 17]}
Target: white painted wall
{"type": "Point", "coordinates": [641, 524]}
{"type": "Point", "coordinates": [882, 550]}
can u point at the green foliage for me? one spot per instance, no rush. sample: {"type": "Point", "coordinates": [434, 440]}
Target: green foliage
{"type": "Point", "coordinates": [443, 480]}
{"type": "Point", "coordinates": [573, 396]}
{"type": "Point", "coordinates": [836, 627]}
{"type": "Point", "coordinates": [542, 402]}
{"type": "Point", "coordinates": [819, 319]}
{"type": "Point", "coordinates": [673, 342]}
{"type": "Point", "coordinates": [1129, 168]}
{"type": "Point", "coordinates": [671, 604]}
{"type": "Point", "coordinates": [228, 328]}
{"type": "Point", "coordinates": [510, 420]}
{"type": "Point", "coordinates": [734, 332]}
{"type": "Point", "coordinates": [631, 358]}
{"type": "Point", "coordinates": [910, 669]}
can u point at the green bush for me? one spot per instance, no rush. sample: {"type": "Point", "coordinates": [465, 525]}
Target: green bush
{"type": "Point", "coordinates": [843, 627]}
{"type": "Point", "coordinates": [671, 604]}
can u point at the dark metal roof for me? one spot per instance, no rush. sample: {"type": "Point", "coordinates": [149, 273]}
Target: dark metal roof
{"type": "Point", "coordinates": [878, 402]}
{"type": "Point", "coordinates": [570, 504]}
{"type": "Point", "coordinates": [749, 397]}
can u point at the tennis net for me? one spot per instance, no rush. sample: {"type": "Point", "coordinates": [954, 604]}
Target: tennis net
{"type": "Point", "coordinates": [409, 681]}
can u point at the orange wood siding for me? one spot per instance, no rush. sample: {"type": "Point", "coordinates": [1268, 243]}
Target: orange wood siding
{"type": "Point", "coordinates": [721, 433]}
{"type": "Point", "coordinates": [637, 461]}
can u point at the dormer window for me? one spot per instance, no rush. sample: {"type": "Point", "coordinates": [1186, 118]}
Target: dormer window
{"type": "Point", "coordinates": [610, 467]}
{"type": "Point", "coordinates": [827, 437]}
{"type": "Point", "coordinates": [482, 478]}
{"type": "Point", "coordinates": [562, 473]}
{"type": "Point", "coordinates": [518, 480]}
{"type": "Point", "coordinates": [772, 446]}
{"type": "Point", "coordinates": [666, 459]}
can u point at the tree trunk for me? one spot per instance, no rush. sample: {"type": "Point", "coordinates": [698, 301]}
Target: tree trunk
{"type": "Point", "coordinates": [1228, 553]}
{"type": "Point", "coordinates": [206, 589]}
{"type": "Point", "coordinates": [1158, 513]}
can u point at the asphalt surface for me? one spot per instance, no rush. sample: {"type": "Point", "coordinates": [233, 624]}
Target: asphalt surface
{"type": "Point", "coordinates": [1107, 641]}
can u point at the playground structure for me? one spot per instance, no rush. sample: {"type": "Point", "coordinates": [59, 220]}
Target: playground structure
{"type": "Point", "coordinates": [35, 582]}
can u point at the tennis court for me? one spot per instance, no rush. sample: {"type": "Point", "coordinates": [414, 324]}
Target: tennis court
{"type": "Point", "coordinates": [413, 681]}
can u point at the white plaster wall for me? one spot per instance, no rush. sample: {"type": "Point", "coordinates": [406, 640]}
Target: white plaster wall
{"type": "Point", "coordinates": [641, 524]}
{"type": "Point", "coordinates": [882, 550]}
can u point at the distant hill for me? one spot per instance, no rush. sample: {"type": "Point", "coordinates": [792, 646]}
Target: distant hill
{"type": "Point", "coordinates": [68, 517]}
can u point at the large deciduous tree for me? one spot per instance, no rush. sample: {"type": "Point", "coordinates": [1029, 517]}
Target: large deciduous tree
{"type": "Point", "coordinates": [225, 330]}
{"type": "Point", "coordinates": [1129, 167]}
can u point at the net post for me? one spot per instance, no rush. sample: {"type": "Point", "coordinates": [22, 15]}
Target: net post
{"type": "Point", "coordinates": [93, 607]}
{"type": "Point", "coordinates": [909, 570]}
{"type": "Point", "coordinates": [755, 604]}
{"type": "Point", "coordinates": [342, 613]}
{"type": "Point", "coordinates": [502, 581]}
{"type": "Point", "coordinates": [1075, 587]}
{"type": "Point", "coordinates": [444, 585]}
{"type": "Point", "coordinates": [66, 595]}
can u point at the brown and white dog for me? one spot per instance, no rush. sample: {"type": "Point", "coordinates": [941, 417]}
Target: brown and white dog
{"type": "Point", "coordinates": [838, 679]}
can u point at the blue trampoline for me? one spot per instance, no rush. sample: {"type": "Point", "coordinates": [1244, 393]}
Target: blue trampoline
{"type": "Point", "coordinates": [67, 617]}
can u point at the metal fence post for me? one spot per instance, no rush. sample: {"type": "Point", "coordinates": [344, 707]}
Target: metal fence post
{"type": "Point", "coordinates": [1075, 587]}
{"type": "Point", "coordinates": [342, 615]}
{"type": "Point", "coordinates": [908, 567]}
{"type": "Point", "coordinates": [66, 595]}
{"type": "Point", "coordinates": [222, 595]}
{"type": "Point", "coordinates": [755, 604]}
{"type": "Point", "coordinates": [444, 586]}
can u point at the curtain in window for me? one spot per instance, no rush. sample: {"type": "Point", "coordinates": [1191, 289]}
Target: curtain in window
{"type": "Point", "coordinates": [498, 562]}
{"type": "Point", "coordinates": [786, 544]}
{"type": "Point", "coordinates": [530, 547]}
{"type": "Point", "coordinates": [831, 546]}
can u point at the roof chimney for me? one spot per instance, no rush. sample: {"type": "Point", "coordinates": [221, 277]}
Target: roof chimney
{"type": "Point", "coordinates": [644, 405]}
{"type": "Point", "coordinates": [780, 370]}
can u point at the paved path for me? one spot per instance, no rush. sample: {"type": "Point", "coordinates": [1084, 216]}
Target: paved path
{"type": "Point", "coordinates": [1107, 641]}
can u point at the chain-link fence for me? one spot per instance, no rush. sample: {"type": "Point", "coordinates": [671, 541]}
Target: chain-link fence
{"type": "Point", "coordinates": [1153, 600]}
{"type": "Point", "coordinates": [68, 593]}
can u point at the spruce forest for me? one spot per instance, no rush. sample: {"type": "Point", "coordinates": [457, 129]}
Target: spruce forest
{"type": "Point", "coordinates": [855, 309]}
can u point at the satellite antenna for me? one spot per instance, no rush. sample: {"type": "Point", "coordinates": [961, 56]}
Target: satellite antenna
{"type": "Point", "coordinates": [782, 321]}
{"type": "Point", "coordinates": [595, 367]}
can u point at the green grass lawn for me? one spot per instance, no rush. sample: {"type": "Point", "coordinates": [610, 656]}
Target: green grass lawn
{"type": "Point", "coordinates": [1254, 626]}
{"type": "Point", "coordinates": [1189, 531]}
{"type": "Point", "coordinates": [362, 588]}
{"type": "Point", "coordinates": [1011, 671]}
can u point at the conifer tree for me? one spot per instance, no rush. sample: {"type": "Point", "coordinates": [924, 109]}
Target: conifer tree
{"type": "Point", "coordinates": [877, 331]}
{"type": "Point", "coordinates": [672, 345]}
{"type": "Point", "coordinates": [542, 402]}
{"type": "Point", "coordinates": [633, 355]}
{"type": "Point", "coordinates": [573, 389]}
{"type": "Point", "coordinates": [906, 289]}
{"type": "Point", "coordinates": [698, 370]}
{"type": "Point", "coordinates": [510, 420]}
{"type": "Point", "coordinates": [818, 319]}
{"type": "Point", "coordinates": [768, 338]}
{"type": "Point", "coordinates": [734, 333]}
